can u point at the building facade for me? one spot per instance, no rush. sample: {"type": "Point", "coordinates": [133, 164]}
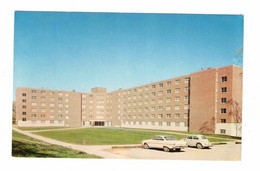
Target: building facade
{"type": "Point", "coordinates": [208, 101]}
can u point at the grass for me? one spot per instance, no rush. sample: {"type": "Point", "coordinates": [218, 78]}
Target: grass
{"type": "Point", "coordinates": [25, 146]}
{"type": "Point", "coordinates": [107, 136]}
{"type": "Point", "coordinates": [39, 128]}
{"type": "Point", "coordinates": [101, 136]}
{"type": "Point", "coordinates": [207, 135]}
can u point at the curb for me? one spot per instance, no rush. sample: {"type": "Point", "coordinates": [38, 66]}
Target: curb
{"type": "Point", "coordinates": [126, 146]}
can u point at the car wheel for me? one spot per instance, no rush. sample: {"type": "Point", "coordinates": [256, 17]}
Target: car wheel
{"type": "Point", "coordinates": [166, 149]}
{"type": "Point", "coordinates": [146, 146]}
{"type": "Point", "coordinates": [199, 146]}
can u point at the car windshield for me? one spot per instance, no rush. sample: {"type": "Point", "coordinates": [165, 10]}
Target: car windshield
{"type": "Point", "coordinates": [203, 137]}
{"type": "Point", "coordinates": [169, 138]}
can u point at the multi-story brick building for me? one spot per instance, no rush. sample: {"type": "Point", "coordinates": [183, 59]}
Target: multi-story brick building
{"type": "Point", "coordinates": [207, 101]}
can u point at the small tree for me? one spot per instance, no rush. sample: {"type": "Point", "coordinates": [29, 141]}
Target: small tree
{"type": "Point", "coordinates": [235, 112]}
{"type": "Point", "coordinates": [208, 126]}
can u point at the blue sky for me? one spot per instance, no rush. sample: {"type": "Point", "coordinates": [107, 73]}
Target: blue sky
{"type": "Point", "coordinates": [65, 51]}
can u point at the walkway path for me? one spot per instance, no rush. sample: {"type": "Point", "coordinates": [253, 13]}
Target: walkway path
{"type": "Point", "coordinates": [100, 150]}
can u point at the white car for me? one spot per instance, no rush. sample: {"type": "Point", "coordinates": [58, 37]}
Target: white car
{"type": "Point", "coordinates": [165, 142]}
{"type": "Point", "coordinates": [199, 141]}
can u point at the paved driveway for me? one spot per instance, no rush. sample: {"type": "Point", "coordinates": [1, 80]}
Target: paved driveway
{"type": "Point", "coordinates": [230, 151]}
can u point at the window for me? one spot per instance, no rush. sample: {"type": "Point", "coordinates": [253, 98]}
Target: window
{"type": "Point", "coordinates": [153, 101]}
{"type": "Point", "coordinates": [43, 92]}
{"type": "Point", "coordinates": [160, 108]}
{"type": "Point", "coordinates": [169, 83]}
{"type": "Point", "coordinates": [140, 116]}
{"type": "Point", "coordinates": [33, 115]}
{"type": "Point", "coordinates": [129, 91]}
{"type": "Point", "coordinates": [146, 88]}
{"type": "Point", "coordinates": [168, 116]}
{"type": "Point", "coordinates": [177, 115]}
{"type": "Point", "coordinates": [223, 110]}
{"type": "Point", "coordinates": [160, 93]}
{"type": "Point", "coordinates": [187, 80]}
{"type": "Point", "coordinates": [177, 107]}
{"type": "Point", "coordinates": [24, 119]}
{"type": "Point", "coordinates": [153, 93]}
{"type": "Point", "coordinates": [168, 99]}
{"type": "Point", "coordinates": [177, 82]}
{"type": "Point", "coordinates": [186, 97]}
{"type": "Point", "coordinates": [33, 97]}
{"type": "Point", "coordinates": [140, 96]}
{"type": "Point", "coordinates": [177, 123]}
{"type": "Point", "coordinates": [160, 123]}
{"type": "Point", "coordinates": [186, 115]}
{"type": "Point", "coordinates": [33, 104]}
{"type": "Point", "coordinates": [146, 116]}
{"type": "Point", "coordinates": [52, 93]}
{"type": "Point", "coordinates": [223, 100]}
{"type": "Point", "coordinates": [51, 105]}
{"type": "Point", "coordinates": [140, 89]}
{"type": "Point", "coordinates": [135, 90]}
{"type": "Point", "coordinates": [168, 108]}
{"type": "Point", "coordinates": [177, 90]}
{"type": "Point", "coordinates": [24, 107]}
{"type": "Point", "coordinates": [24, 100]}
{"type": "Point", "coordinates": [42, 98]}
{"type": "Point", "coordinates": [153, 116]}
{"type": "Point", "coordinates": [168, 123]}
{"type": "Point", "coordinates": [33, 91]}
{"type": "Point", "coordinates": [34, 110]}
{"type": "Point", "coordinates": [42, 115]}
{"type": "Point", "coordinates": [223, 120]}
{"type": "Point", "coordinates": [60, 94]}
{"type": "Point", "coordinates": [161, 85]}
{"type": "Point", "coordinates": [24, 113]}
{"type": "Point", "coordinates": [160, 100]}
{"type": "Point", "coordinates": [169, 91]}
{"type": "Point", "coordinates": [146, 95]}
{"type": "Point", "coordinates": [160, 116]}
{"type": "Point", "coordinates": [43, 104]}
{"type": "Point", "coordinates": [24, 94]}
{"type": "Point", "coordinates": [177, 98]}
{"type": "Point", "coordinates": [186, 89]}
{"type": "Point", "coordinates": [52, 121]}
{"type": "Point", "coordinates": [60, 99]}
{"type": "Point", "coordinates": [222, 131]}
{"type": "Point", "coordinates": [224, 79]}
{"type": "Point", "coordinates": [186, 106]}
{"type": "Point", "coordinates": [154, 86]}
{"type": "Point", "coordinates": [140, 123]}
{"type": "Point", "coordinates": [223, 89]}
{"type": "Point", "coordinates": [153, 123]}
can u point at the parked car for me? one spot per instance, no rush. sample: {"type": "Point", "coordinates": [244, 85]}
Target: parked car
{"type": "Point", "coordinates": [165, 142]}
{"type": "Point", "coordinates": [199, 141]}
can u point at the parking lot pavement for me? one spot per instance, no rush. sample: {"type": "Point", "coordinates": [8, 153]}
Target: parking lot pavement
{"type": "Point", "coordinates": [227, 152]}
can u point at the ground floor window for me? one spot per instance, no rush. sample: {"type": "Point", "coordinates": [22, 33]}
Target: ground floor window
{"type": "Point", "coordinates": [222, 131]}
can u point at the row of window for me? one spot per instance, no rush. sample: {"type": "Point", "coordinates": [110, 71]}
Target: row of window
{"type": "Point", "coordinates": [43, 121]}
{"type": "Point", "coordinates": [160, 108]}
{"type": "Point", "coordinates": [44, 92]}
{"type": "Point", "coordinates": [152, 116]}
{"type": "Point", "coordinates": [177, 124]}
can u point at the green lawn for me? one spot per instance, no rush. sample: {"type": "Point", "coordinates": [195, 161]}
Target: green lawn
{"type": "Point", "coordinates": [101, 136]}
{"type": "Point", "coordinates": [25, 146]}
{"type": "Point", "coordinates": [107, 136]}
{"type": "Point", "coordinates": [39, 128]}
{"type": "Point", "coordinates": [183, 132]}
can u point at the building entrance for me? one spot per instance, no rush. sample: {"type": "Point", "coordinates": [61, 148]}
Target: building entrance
{"type": "Point", "coordinates": [99, 123]}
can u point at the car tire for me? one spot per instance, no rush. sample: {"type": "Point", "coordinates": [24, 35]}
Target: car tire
{"type": "Point", "coordinates": [146, 146]}
{"type": "Point", "coordinates": [199, 146]}
{"type": "Point", "coordinates": [166, 149]}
